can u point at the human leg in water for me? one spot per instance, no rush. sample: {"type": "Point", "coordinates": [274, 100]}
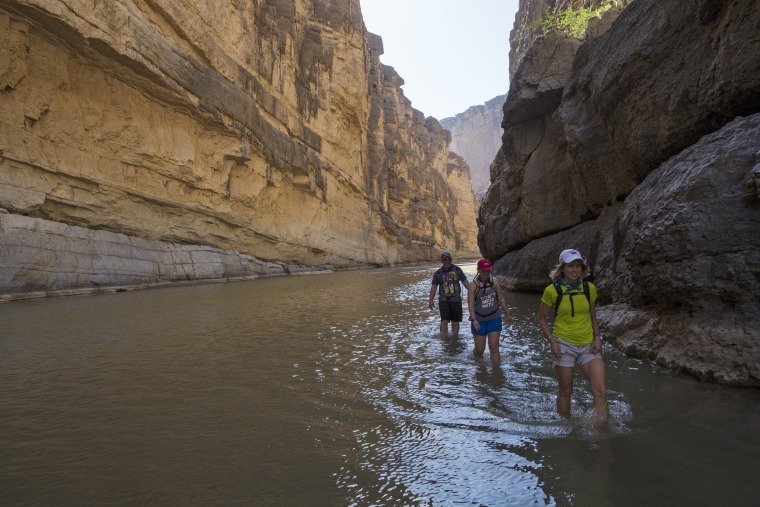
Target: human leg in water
{"type": "Point", "coordinates": [597, 379]}
{"type": "Point", "coordinates": [493, 346]}
{"type": "Point", "coordinates": [479, 346]}
{"type": "Point", "coordinates": [565, 389]}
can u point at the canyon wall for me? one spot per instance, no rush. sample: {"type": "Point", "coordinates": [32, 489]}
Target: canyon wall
{"type": "Point", "coordinates": [639, 146]}
{"type": "Point", "coordinates": [264, 127]}
{"type": "Point", "coordinates": [522, 37]}
{"type": "Point", "coordinates": [476, 133]}
{"type": "Point", "coordinates": [476, 137]}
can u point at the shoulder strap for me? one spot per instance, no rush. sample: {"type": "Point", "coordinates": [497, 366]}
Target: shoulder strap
{"type": "Point", "coordinates": [557, 301]}
{"type": "Point", "coordinates": [558, 288]}
{"type": "Point", "coordinates": [486, 284]}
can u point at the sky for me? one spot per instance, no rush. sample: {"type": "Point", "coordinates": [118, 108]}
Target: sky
{"type": "Point", "coordinates": [451, 54]}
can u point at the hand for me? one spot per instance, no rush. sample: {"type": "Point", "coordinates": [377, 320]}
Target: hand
{"type": "Point", "coordinates": [476, 325]}
{"type": "Point", "coordinates": [508, 319]}
{"type": "Point", "coordinates": [430, 304]}
{"type": "Point", "coordinates": [596, 345]}
{"type": "Point", "coordinates": [556, 351]}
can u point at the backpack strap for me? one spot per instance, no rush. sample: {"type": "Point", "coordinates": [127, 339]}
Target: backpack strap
{"type": "Point", "coordinates": [557, 301]}
{"type": "Point", "coordinates": [558, 288]}
{"type": "Point", "coordinates": [486, 284]}
{"type": "Point", "coordinates": [587, 291]}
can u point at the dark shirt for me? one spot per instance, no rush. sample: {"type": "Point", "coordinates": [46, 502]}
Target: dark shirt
{"type": "Point", "coordinates": [447, 280]}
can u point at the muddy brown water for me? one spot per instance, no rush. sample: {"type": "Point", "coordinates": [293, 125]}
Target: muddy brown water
{"type": "Point", "coordinates": [338, 390]}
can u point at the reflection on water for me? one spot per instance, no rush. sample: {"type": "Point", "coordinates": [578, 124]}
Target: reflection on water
{"type": "Point", "coordinates": [338, 390]}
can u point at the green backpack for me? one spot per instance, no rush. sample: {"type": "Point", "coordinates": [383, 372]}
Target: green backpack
{"type": "Point", "coordinates": [558, 287]}
{"type": "Point", "coordinates": [486, 284]}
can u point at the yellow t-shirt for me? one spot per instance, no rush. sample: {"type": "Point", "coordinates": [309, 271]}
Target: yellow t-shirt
{"type": "Point", "coordinates": [573, 329]}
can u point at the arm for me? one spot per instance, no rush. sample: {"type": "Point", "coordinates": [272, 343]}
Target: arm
{"type": "Point", "coordinates": [471, 304]}
{"type": "Point", "coordinates": [596, 346]}
{"type": "Point", "coordinates": [543, 313]}
{"type": "Point", "coordinates": [433, 288]}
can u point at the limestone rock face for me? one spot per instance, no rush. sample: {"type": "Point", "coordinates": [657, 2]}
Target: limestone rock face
{"type": "Point", "coordinates": [267, 127]}
{"type": "Point", "coordinates": [476, 137]}
{"type": "Point", "coordinates": [522, 38]}
{"type": "Point", "coordinates": [639, 147]}
{"type": "Point", "coordinates": [524, 173]}
{"type": "Point", "coordinates": [89, 261]}
{"type": "Point", "coordinates": [414, 177]}
{"type": "Point", "coordinates": [686, 260]}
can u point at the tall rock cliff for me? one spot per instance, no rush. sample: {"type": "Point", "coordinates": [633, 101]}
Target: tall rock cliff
{"type": "Point", "coordinates": [268, 128]}
{"type": "Point", "coordinates": [476, 136]}
{"type": "Point", "coordinates": [476, 133]}
{"type": "Point", "coordinates": [522, 36]}
{"type": "Point", "coordinates": [639, 146]}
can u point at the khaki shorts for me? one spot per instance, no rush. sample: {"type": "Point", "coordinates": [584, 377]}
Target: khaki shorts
{"type": "Point", "coordinates": [573, 354]}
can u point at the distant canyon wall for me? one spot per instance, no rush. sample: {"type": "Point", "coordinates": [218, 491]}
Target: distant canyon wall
{"type": "Point", "coordinates": [639, 146]}
{"type": "Point", "coordinates": [476, 137]}
{"type": "Point", "coordinates": [264, 127]}
{"type": "Point", "coordinates": [476, 133]}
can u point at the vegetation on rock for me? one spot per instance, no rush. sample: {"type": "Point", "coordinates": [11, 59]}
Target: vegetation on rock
{"type": "Point", "coordinates": [570, 21]}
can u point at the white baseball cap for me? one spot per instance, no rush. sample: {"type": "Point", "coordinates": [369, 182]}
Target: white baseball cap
{"type": "Point", "coordinates": [570, 255]}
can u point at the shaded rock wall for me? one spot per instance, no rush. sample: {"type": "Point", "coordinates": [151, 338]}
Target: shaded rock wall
{"type": "Point", "coordinates": [476, 137]}
{"type": "Point", "coordinates": [522, 38]}
{"type": "Point", "coordinates": [632, 146]}
{"type": "Point", "coordinates": [684, 265]}
{"type": "Point", "coordinates": [265, 127]}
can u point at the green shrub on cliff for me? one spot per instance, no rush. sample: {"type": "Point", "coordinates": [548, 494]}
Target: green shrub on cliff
{"type": "Point", "coordinates": [570, 21]}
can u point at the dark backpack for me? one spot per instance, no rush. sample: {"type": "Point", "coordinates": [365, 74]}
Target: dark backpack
{"type": "Point", "coordinates": [560, 294]}
{"type": "Point", "coordinates": [486, 284]}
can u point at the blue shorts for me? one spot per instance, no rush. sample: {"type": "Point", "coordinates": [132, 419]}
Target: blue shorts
{"type": "Point", "coordinates": [487, 326]}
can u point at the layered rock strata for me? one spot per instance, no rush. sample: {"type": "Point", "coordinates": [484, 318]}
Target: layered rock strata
{"type": "Point", "coordinates": [264, 127]}
{"type": "Point", "coordinates": [639, 147]}
{"type": "Point", "coordinates": [476, 137]}
{"type": "Point", "coordinates": [62, 260]}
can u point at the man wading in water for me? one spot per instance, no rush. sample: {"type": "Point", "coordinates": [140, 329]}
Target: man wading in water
{"type": "Point", "coordinates": [448, 278]}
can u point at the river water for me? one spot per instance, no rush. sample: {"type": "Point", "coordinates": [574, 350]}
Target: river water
{"type": "Point", "coordinates": [337, 389]}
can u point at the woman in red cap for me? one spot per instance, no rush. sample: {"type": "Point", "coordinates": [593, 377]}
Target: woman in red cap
{"type": "Point", "coordinates": [485, 302]}
{"type": "Point", "coordinates": [575, 338]}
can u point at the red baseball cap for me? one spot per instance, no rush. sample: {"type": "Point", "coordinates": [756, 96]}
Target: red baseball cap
{"type": "Point", "coordinates": [484, 265]}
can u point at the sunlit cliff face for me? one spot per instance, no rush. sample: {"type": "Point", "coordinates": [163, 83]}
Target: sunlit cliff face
{"type": "Point", "coordinates": [271, 130]}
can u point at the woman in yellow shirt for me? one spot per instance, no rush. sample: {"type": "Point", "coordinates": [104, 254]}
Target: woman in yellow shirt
{"type": "Point", "coordinates": [575, 338]}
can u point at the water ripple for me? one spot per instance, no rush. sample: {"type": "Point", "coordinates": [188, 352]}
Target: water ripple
{"type": "Point", "coordinates": [337, 390]}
